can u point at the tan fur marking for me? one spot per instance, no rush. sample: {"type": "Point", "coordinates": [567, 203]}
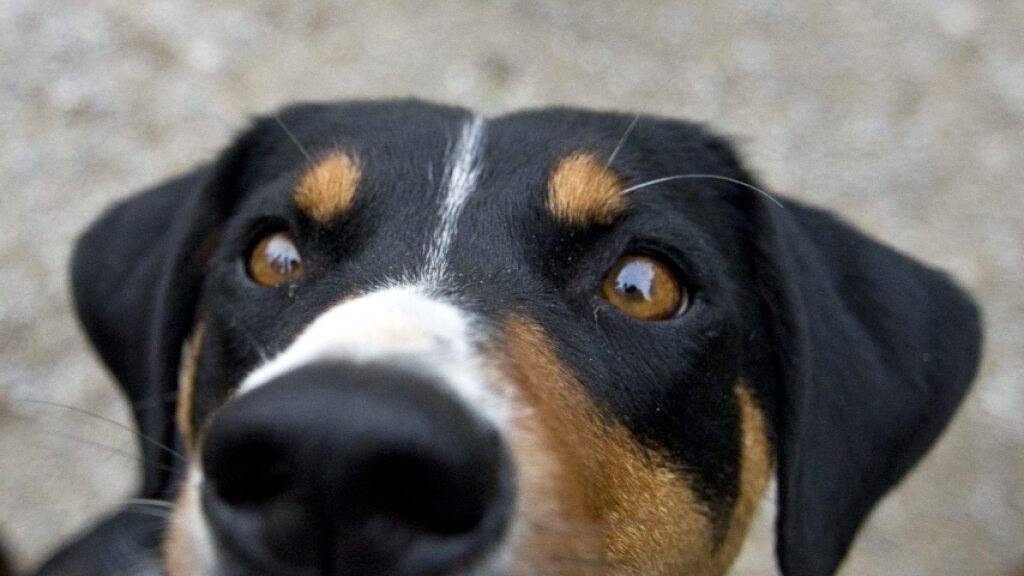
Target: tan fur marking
{"type": "Point", "coordinates": [179, 549]}
{"type": "Point", "coordinates": [582, 190]}
{"type": "Point", "coordinates": [327, 189]}
{"type": "Point", "coordinates": [616, 495]}
{"type": "Point", "coordinates": [187, 383]}
{"type": "Point", "coordinates": [755, 474]}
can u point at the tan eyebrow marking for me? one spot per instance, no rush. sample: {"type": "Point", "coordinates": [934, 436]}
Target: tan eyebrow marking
{"type": "Point", "coordinates": [582, 190]}
{"type": "Point", "coordinates": [327, 189]}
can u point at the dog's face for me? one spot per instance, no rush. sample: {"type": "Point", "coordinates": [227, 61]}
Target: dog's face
{"type": "Point", "coordinates": [407, 340]}
{"type": "Point", "coordinates": [548, 368]}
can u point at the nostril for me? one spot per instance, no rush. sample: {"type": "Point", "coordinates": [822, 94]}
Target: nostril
{"type": "Point", "coordinates": [431, 497]}
{"type": "Point", "coordinates": [249, 471]}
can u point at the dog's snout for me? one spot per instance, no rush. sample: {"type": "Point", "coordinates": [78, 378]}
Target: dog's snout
{"type": "Point", "coordinates": [354, 469]}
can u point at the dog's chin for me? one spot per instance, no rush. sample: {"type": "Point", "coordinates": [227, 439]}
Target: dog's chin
{"type": "Point", "coordinates": [243, 568]}
{"type": "Point", "coordinates": [183, 560]}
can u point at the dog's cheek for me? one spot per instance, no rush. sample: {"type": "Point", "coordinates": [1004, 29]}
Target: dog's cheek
{"type": "Point", "coordinates": [610, 492]}
{"type": "Point", "coordinates": [553, 531]}
{"type": "Point", "coordinates": [756, 465]}
{"type": "Point", "coordinates": [187, 384]}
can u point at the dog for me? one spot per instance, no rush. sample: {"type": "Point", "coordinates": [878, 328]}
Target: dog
{"type": "Point", "coordinates": [400, 338]}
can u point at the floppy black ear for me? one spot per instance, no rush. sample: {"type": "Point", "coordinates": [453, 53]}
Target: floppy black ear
{"type": "Point", "coordinates": [134, 288]}
{"type": "Point", "coordinates": [136, 275]}
{"type": "Point", "coordinates": [876, 353]}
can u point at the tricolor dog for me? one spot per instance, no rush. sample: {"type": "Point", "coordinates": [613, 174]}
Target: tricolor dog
{"type": "Point", "coordinates": [396, 338]}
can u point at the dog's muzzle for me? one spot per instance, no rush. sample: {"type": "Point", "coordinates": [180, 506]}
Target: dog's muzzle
{"type": "Point", "coordinates": [373, 444]}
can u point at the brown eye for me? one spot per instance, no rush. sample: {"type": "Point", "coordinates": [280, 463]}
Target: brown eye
{"type": "Point", "coordinates": [644, 288]}
{"type": "Point", "coordinates": [275, 260]}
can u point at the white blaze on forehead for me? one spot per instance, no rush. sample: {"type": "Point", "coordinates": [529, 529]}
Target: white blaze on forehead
{"type": "Point", "coordinates": [461, 176]}
{"type": "Point", "coordinates": [399, 327]}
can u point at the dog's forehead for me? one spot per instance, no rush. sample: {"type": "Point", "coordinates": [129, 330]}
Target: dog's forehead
{"type": "Point", "coordinates": [426, 185]}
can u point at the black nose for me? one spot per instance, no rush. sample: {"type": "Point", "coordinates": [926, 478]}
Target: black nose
{"type": "Point", "coordinates": [354, 470]}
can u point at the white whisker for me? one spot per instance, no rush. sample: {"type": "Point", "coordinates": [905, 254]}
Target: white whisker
{"type": "Point", "coordinates": [622, 141]}
{"type": "Point", "coordinates": [149, 502]}
{"type": "Point", "coordinates": [113, 422]}
{"type": "Point", "coordinates": [291, 136]}
{"type": "Point", "coordinates": [702, 176]}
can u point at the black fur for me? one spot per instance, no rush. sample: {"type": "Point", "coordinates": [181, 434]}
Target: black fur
{"type": "Point", "coordinates": [858, 354]}
{"type": "Point", "coordinates": [126, 542]}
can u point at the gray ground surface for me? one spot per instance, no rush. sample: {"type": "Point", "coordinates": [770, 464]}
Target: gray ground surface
{"type": "Point", "coordinates": [906, 116]}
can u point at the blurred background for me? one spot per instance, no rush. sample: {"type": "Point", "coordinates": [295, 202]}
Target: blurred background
{"type": "Point", "coordinates": [904, 116]}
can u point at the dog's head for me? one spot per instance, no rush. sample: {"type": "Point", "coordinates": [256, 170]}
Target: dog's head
{"type": "Point", "coordinates": [397, 338]}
